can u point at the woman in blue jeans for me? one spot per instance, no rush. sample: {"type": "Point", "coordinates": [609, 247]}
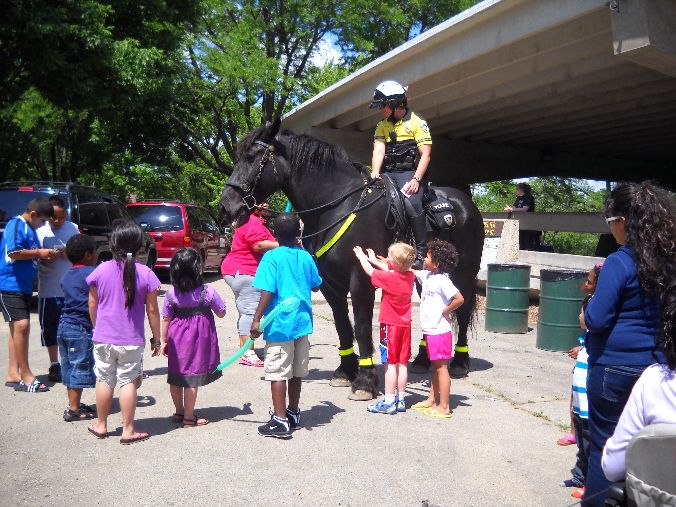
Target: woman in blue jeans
{"type": "Point", "coordinates": [623, 316]}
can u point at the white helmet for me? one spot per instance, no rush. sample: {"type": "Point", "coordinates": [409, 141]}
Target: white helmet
{"type": "Point", "coordinates": [388, 93]}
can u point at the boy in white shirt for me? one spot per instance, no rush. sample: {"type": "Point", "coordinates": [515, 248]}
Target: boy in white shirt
{"type": "Point", "coordinates": [439, 299]}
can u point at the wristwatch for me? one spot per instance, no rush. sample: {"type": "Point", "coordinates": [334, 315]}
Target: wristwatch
{"type": "Point", "coordinates": [416, 179]}
{"type": "Point", "coordinates": [155, 343]}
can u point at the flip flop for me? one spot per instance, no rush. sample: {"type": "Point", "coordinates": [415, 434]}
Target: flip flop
{"type": "Point", "coordinates": [434, 413]}
{"type": "Point", "coordinates": [133, 440]}
{"type": "Point", "coordinates": [12, 384]}
{"type": "Point", "coordinates": [421, 405]}
{"type": "Point", "coordinates": [96, 433]}
{"type": "Point", "coordinates": [567, 439]}
{"type": "Point", "coordinates": [34, 387]}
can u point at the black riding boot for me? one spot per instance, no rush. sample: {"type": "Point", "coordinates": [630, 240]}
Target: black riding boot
{"type": "Point", "coordinates": [419, 226]}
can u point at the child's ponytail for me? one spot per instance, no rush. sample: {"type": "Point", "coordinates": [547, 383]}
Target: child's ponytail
{"type": "Point", "coordinates": [125, 242]}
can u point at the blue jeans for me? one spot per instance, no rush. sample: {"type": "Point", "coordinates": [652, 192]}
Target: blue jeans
{"type": "Point", "coordinates": [76, 351]}
{"type": "Point", "coordinates": [579, 472]}
{"type": "Point", "coordinates": [608, 389]}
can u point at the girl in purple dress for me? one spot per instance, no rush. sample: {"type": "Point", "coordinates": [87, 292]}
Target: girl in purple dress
{"type": "Point", "coordinates": [189, 337]}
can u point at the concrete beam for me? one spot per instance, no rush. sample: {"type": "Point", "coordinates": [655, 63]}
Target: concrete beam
{"type": "Point", "coordinates": [477, 31]}
{"type": "Point", "coordinates": [644, 32]}
{"type": "Point", "coordinates": [614, 98]}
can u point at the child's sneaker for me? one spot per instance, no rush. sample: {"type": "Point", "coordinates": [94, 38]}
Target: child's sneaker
{"type": "Point", "coordinates": [578, 493]}
{"type": "Point", "coordinates": [275, 428]}
{"type": "Point", "coordinates": [294, 419]}
{"type": "Point", "coordinates": [571, 483]}
{"type": "Point", "coordinates": [54, 373]}
{"type": "Point", "coordinates": [380, 407]}
{"type": "Point", "coordinates": [401, 406]}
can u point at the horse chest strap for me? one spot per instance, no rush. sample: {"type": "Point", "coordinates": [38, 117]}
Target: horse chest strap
{"type": "Point", "coordinates": [346, 224]}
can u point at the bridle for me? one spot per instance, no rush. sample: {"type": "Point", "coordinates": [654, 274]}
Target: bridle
{"type": "Point", "coordinates": [245, 190]}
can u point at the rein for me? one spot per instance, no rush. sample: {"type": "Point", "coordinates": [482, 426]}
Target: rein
{"type": "Point", "coordinates": [246, 192]}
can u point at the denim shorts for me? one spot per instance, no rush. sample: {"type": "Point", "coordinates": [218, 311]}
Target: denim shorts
{"type": "Point", "coordinates": [76, 351]}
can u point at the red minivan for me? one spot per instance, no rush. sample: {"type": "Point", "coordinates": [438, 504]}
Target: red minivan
{"type": "Point", "coordinates": [174, 224]}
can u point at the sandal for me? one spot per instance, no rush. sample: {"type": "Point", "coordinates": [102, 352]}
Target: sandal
{"type": "Point", "coordinates": [140, 437]}
{"type": "Point", "coordinates": [34, 387]}
{"type": "Point", "coordinates": [191, 423]}
{"type": "Point", "coordinates": [96, 433]}
{"type": "Point", "coordinates": [567, 439]}
{"type": "Point", "coordinates": [177, 418]}
{"type": "Point", "coordinates": [421, 405]}
{"type": "Point", "coordinates": [434, 413]}
{"type": "Point", "coordinates": [81, 414]}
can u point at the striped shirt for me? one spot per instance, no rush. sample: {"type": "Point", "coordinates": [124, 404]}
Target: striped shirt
{"type": "Point", "coordinates": [580, 406]}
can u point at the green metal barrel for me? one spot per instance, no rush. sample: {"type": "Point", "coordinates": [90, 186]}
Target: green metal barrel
{"type": "Point", "coordinates": [507, 298]}
{"type": "Point", "coordinates": [561, 298]}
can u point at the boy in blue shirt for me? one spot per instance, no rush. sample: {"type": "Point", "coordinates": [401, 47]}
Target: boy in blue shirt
{"type": "Point", "coordinates": [287, 271]}
{"type": "Point", "coordinates": [20, 253]}
{"type": "Point", "coordinates": [74, 334]}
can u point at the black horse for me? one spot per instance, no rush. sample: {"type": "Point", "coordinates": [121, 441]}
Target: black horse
{"type": "Point", "coordinates": [326, 188]}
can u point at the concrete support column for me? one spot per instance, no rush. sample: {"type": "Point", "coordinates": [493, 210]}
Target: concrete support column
{"type": "Point", "coordinates": [644, 33]}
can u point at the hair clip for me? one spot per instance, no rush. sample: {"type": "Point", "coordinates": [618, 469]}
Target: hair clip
{"type": "Point", "coordinates": [598, 265]}
{"type": "Point", "coordinates": [129, 256]}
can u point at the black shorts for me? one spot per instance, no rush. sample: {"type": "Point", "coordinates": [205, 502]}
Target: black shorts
{"type": "Point", "coordinates": [15, 305]}
{"type": "Point", "coordinates": [49, 311]}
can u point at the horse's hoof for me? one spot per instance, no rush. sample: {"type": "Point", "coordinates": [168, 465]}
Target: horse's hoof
{"type": "Point", "coordinates": [360, 395]}
{"type": "Point", "coordinates": [340, 382]}
{"type": "Point", "coordinates": [457, 371]}
{"type": "Point", "coordinates": [418, 368]}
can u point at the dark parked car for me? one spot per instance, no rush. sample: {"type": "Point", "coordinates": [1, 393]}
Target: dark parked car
{"type": "Point", "coordinates": [92, 210]}
{"type": "Point", "coordinates": [174, 224]}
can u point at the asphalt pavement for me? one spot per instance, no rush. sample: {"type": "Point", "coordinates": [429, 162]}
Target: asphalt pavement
{"type": "Point", "coordinates": [498, 449]}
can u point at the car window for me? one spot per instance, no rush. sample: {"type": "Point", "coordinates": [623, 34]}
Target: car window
{"type": "Point", "coordinates": [159, 218]}
{"type": "Point", "coordinates": [92, 212]}
{"type": "Point", "coordinates": [13, 202]}
{"type": "Point", "coordinates": [193, 219]}
{"type": "Point", "coordinates": [207, 220]}
{"type": "Point", "coordinates": [115, 211]}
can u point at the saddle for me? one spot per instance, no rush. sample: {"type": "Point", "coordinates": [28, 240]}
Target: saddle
{"type": "Point", "coordinates": [438, 209]}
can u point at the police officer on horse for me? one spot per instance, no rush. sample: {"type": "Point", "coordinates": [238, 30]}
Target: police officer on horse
{"type": "Point", "coordinates": [402, 147]}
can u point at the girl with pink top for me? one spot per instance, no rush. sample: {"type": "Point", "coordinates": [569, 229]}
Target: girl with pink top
{"type": "Point", "coordinates": [189, 336]}
{"type": "Point", "coordinates": [250, 242]}
{"type": "Point", "coordinates": [120, 290]}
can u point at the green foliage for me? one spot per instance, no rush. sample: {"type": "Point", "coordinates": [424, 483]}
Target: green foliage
{"type": "Point", "coordinates": [552, 194]}
{"type": "Point", "coordinates": [371, 29]}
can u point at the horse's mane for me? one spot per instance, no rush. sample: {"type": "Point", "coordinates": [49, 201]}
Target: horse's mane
{"type": "Point", "coordinates": [305, 153]}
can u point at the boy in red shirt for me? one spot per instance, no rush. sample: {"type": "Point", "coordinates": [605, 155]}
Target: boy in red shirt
{"type": "Point", "coordinates": [396, 280]}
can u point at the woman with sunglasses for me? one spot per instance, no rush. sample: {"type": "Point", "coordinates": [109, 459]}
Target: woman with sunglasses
{"type": "Point", "coordinates": [623, 317]}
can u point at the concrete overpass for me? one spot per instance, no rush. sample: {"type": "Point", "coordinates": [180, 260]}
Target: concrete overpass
{"type": "Point", "coordinates": [516, 88]}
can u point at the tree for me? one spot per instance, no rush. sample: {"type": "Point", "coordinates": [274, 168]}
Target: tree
{"type": "Point", "coordinates": [251, 61]}
{"type": "Point", "coordinates": [552, 194]}
{"type": "Point", "coordinates": [84, 80]}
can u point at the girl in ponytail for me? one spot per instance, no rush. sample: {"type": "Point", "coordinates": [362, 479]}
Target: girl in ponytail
{"type": "Point", "coordinates": [120, 292]}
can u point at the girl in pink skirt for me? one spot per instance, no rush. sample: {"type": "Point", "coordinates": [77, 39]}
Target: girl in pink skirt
{"type": "Point", "coordinates": [189, 337]}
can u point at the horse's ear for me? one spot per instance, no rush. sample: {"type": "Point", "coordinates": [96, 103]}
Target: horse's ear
{"type": "Point", "coordinates": [271, 129]}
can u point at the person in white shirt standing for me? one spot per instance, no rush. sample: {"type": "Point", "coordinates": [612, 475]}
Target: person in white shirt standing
{"type": "Point", "coordinates": [438, 300]}
{"type": "Point", "coordinates": [53, 236]}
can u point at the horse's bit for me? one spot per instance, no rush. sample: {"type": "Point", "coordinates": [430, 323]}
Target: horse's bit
{"type": "Point", "coordinates": [246, 189]}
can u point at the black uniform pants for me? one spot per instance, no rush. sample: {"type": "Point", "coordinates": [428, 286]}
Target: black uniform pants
{"type": "Point", "coordinates": [400, 179]}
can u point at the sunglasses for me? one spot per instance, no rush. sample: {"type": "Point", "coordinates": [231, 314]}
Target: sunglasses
{"type": "Point", "coordinates": [612, 219]}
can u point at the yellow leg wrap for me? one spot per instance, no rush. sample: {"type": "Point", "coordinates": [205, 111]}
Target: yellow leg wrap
{"type": "Point", "coordinates": [346, 352]}
{"type": "Point", "coordinates": [462, 349]}
{"type": "Point", "coordinates": [423, 343]}
{"type": "Point", "coordinates": [366, 361]}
